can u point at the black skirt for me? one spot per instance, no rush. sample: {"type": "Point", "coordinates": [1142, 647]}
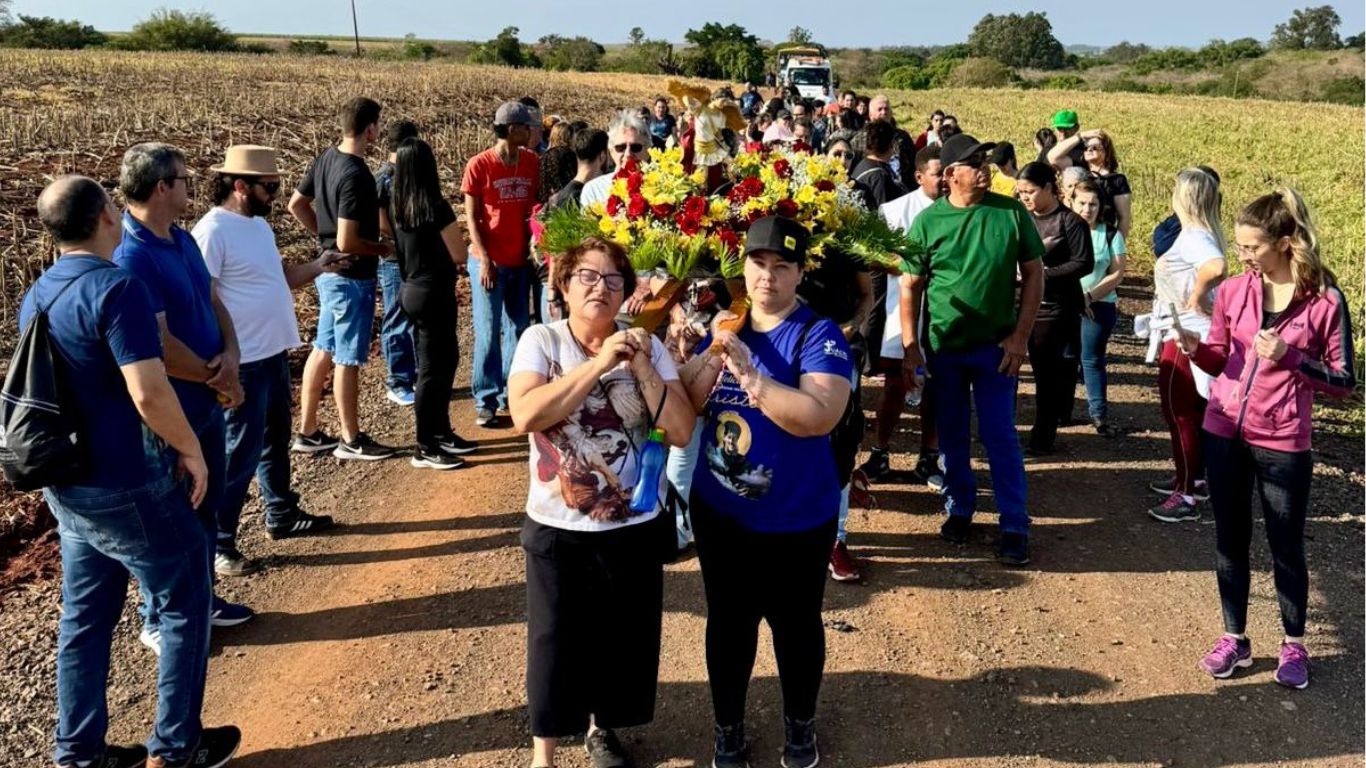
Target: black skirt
{"type": "Point", "coordinates": [594, 609]}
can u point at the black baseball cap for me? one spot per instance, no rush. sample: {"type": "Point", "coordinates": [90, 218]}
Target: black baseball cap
{"type": "Point", "coordinates": [960, 147]}
{"type": "Point", "coordinates": [779, 234]}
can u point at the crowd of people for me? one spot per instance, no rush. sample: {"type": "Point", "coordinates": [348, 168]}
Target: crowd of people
{"type": "Point", "coordinates": [179, 340]}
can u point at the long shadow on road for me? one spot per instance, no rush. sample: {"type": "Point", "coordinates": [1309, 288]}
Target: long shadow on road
{"type": "Point", "coordinates": [1008, 713]}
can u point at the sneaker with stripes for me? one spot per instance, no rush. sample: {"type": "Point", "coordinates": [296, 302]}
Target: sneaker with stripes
{"type": "Point", "coordinates": [299, 524]}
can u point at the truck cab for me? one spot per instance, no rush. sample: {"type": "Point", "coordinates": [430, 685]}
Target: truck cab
{"type": "Point", "coordinates": [808, 69]}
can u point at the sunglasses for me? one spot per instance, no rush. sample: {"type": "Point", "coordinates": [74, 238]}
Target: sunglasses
{"type": "Point", "coordinates": [591, 277]}
{"type": "Point", "coordinates": [271, 187]}
{"type": "Point", "coordinates": [1095, 147]}
{"type": "Point", "coordinates": [635, 148]}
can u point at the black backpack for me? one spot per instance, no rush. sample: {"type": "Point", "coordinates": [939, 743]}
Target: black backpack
{"type": "Point", "coordinates": [39, 445]}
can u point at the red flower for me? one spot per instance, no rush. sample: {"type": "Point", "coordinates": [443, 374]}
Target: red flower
{"type": "Point", "coordinates": [786, 207]}
{"type": "Point", "coordinates": [729, 239]}
{"type": "Point", "coordinates": [825, 185]}
{"type": "Point", "coordinates": [754, 146]}
{"type": "Point", "coordinates": [662, 211]}
{"type": "Point", "coordinates": [746, 189]}
{"type": "Point", "coordinates": [688, 225]}
{"type": "Point", "coordinates": [695, 207]}
{"type": "Point", "coordinates": [637, 207]}
{"type": "Point", "coordinates": [802, 147]}
{"type": "Point", "coordinates": [782, 168]}
{"type": "Point", "coordinates": [633, 181]}
{"type": "Point", "coordinates": [613, 205]}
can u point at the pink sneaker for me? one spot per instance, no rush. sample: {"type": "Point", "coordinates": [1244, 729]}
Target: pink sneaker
{"type": "Point", "coordinates": [1293, 670]}
{"type": "Point", "coordinates": [1228, 656]}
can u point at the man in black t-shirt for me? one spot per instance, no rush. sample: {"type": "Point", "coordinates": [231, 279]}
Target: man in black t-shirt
{"type": "Point", "coordinates": [590, 151]}
{"type": "Point", "coordinates": [337, 201]}
{"type": "Point", "coordinates": [874, 180]}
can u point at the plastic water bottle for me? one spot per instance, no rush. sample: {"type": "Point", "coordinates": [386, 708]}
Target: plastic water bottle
{"type": "Point", "coordinates": [913, 398]}
{"type": "Point", "coordinates": [651, 464]}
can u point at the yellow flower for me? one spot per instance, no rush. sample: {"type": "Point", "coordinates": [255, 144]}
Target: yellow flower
{"type": "Point", "coordinates": [606, 225]}
{"type": "Point", "coordinates": [619, 189]}
{"type": "Point", "coordinates": [719, 210]}
{"type": "Point", "coordinates": [699, 176]}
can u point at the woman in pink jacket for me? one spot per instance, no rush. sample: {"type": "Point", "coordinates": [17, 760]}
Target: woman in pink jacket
{"type": "Point", "coordinates": [1281, 331]}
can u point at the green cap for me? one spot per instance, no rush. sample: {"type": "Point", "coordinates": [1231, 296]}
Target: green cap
{"type": "Point", "coordinates": [657, 434]}
{"type": "Point", "coordinates": [1065, 119]}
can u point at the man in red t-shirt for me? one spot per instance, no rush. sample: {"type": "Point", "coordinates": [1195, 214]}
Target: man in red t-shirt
{"type": "Point", "coordinates": [500, 187]}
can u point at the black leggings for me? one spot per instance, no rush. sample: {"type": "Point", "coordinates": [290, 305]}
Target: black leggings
{"type": "Point", "coordinates": [777, 577]}
{"type": "Point", "coordinates": [1053, 358]}
{"type": "Point", "coordinates": [1232, 467]}
{"type": "Point", "coordinates": [432, 310]}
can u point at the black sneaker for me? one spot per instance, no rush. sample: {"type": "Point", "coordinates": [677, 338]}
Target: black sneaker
{"type": "Point", "coordinates": [1034, 451]}
{"type": "Point", "coordinates": [799, 749]}
{"type": "Point", "coordinates": [317, 442]}
{"type": "Point", "coordinates": [230, 562]}
{"type": "Point", "coordinates": [216, 748]}
{"type": "Point", "coordinates": [120, 757]}
{"type": "Point", "coordinates": [878, 466]}
{"type": "Point", "coordinates": [436, 460]}
{"type": "Point", "coordinates": [1104, 429]}
{"type": "Point", "coordinates": [363, 449]}
{"type": "Point", "coordinates": [1014, 550]}
{"type": "Point", "coordinates": [927, 471]}
{"type": "Point", "coordinates": [731, 749]}
{"type": "Point", "coordinates": [299, 524]}
{"type": "Point", "coordinates": [456, 445]}
{"type": "Point", "coordinates": [605, 750]}
{"type": "Point", "coordinates": [484, 417]}
{"type": "Point", "coordinates": [955, 530]}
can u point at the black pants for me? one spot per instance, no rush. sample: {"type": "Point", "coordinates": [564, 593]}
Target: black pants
{"type": "Point", "coordinates": [431, 307]}
{"type": "Point", "coordinates": [1052, 356]}
{"type": "Point", "coordinates": [877, 318]}
{"type": "Point", "coordinates": [1282, 479]}
{"type": "Point", "coordinates": [594, 609]}
{"type": "Point", "coordinates": [777, 577]}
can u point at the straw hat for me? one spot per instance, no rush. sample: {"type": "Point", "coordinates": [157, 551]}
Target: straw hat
{"type": "Point", "coordinates": [248, 160]}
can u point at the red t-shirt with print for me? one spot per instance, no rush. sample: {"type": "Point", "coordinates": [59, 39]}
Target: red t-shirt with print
{"type": "Point", "coordinates": [506, 195]}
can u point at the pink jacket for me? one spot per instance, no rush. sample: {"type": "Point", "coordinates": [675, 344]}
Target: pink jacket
{"type": "Point", "coordinates": [1268, 404]}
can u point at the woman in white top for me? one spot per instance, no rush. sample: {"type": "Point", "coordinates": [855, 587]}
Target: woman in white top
{"type": "Point", "coordinates": [588, 392]}
{"type": "Point", "coordinates": [1184, 280]}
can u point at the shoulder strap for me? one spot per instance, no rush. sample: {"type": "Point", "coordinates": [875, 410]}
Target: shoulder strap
{"type": "Point", "coordinates": [801, 344]}
{"type": "Point", "coordinates": [62, 290]}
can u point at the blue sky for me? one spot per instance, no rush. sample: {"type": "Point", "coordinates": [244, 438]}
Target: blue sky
{"type": "Point", "coordinates": [861, 23]}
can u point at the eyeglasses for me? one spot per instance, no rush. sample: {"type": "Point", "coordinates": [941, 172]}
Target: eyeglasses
{"type": "Point", "coordinates": [591, 277]}
{"type": "Point", "coordinates": [839, 153]}
{"type": "Point", "coordinates": [635, 148]}
{"type": "Point", "coordinates": [171, 180]}
{"type": "Point", "coordinates": [271, 187]}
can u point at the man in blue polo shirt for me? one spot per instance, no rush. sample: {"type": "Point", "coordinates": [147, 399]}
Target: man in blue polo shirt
{"type": "Point", "coordinates": [126, 513]}
{"type": "Point", "coordinates": [196, 330]}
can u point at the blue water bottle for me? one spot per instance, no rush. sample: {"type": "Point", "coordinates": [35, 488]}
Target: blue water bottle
{"type": "Point", "coordinates": [651, 465]}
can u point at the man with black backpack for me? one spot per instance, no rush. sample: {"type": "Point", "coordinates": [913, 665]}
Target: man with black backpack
{"type": "Point", "coordinates": [124, 512]}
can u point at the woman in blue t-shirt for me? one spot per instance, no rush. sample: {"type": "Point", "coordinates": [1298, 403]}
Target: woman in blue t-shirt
{"type": "Point", "coordinates": [766, 494]}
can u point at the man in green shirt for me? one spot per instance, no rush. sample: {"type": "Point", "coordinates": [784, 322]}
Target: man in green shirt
{"type": "Point", "coordinates": [972, 243]}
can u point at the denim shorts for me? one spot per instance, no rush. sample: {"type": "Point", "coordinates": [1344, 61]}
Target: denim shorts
{"type": "Point", "coordinates": [346, 318]}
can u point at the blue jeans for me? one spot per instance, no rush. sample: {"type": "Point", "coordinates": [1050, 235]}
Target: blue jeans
{"type": "Point", "coordinates": [501, 314]}
{"type": "Point", "coordinates": [396, 331]}
{"type": "Point", "coordinates": [152, 533]}
{"type": "Point", "coordinates": [211, 431]}
{"type": "Point", "coordinates": [346, 318]}
{"type": "Point", "coordinates": [961, 378]}
{"type": "Point", "coordinates": [679, 469]}
{"type": "Point", "coordinates": [258, 438]}
{"type": "Point", "coordinates": [1095, 334]}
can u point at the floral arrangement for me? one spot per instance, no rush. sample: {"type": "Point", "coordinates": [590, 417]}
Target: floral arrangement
{"type": "Point", "coordinates": [664, 216]}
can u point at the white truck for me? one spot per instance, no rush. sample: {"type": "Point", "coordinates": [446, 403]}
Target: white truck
{"type": "Point", "coordinates": [808, 69]}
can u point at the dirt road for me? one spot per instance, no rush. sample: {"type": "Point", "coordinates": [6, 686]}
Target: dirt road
{"type": "Point", "coordinates": [399, 639]}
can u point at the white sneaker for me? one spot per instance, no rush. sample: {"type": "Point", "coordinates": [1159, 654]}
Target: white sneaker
{"type": "Point", "coordinates": [151, 638]}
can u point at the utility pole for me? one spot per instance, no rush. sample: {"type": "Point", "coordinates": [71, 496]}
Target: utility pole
{"type": "Point", "coordinates": [355, 27]}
